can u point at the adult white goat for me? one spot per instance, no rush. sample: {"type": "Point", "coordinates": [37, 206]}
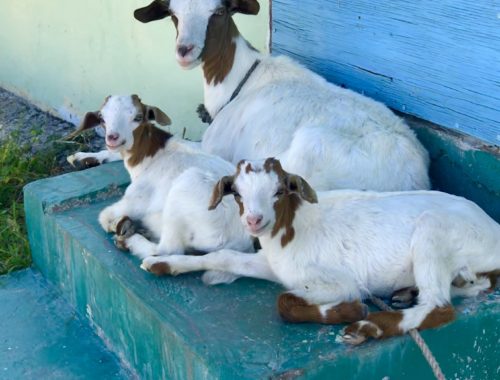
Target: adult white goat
{"type": "Point", "coordinates": [341, 246]}
{"type": "Point", "coordinates": [171, 183]}
{"type": "Point", "coordinates": [333, 137]}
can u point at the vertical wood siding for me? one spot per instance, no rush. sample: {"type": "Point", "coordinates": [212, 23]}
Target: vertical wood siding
{"type": "Point", "coordinates": [438, 60]}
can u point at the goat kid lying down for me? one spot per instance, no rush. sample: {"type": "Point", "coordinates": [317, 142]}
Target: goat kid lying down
{"type": "Point", "coordinates": [264, 105]}
{"type": "Point", "coordinates": [171, 184]}
{"type": "Point", "coordinates": [334, 249]}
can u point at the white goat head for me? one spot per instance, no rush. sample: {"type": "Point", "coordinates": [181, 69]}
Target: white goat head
{"type": "Point", "coordinates": [205, 28]}
{"type": "Point", "coordinates": [126, 119]}
{"type": "Point", "coordinates": [267, 196]}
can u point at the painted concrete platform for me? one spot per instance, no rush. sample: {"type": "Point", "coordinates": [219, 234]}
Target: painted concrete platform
{"type": "Point", "coordinates": [179, 328]}
{"type": "Point", "coordinates": [42, 337]}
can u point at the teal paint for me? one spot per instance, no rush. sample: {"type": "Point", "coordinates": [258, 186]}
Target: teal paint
{"type": "Point", "coordinates": [179, 328]}
{"type": "Point", "coordinates": [42, 337]}
{"type": "Point", "coordinates": [462, 165]}
{"type": "Point", "coordinates": [438, 60]}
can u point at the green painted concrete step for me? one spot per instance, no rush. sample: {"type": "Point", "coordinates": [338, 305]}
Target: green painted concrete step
{"type": "Point", "coordinates": [179, 328]}
{"type": "Point", "coordinates": [42, 337]}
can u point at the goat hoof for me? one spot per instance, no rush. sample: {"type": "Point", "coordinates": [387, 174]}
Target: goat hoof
{"type": "Point", "coordinates": [353, 339]}
{"type": "Point", "coordinates": [404, 298]}
{"type": "Point", "coordinates": [358, 332]}
{"type": "Point", "coordinates": [89, 162]}
{"type": "Point", "coordinates": [125, 227]}
{"type": "Point", "coordinates": [121, 243]}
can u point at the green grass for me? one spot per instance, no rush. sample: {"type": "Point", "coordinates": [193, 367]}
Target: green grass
{"type": "Point", "coordinates": [17, 168]}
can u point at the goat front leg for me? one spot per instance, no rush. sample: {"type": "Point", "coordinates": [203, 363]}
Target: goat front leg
{"type": "Point", "coordinates": [226, 260]}
{"type": "Point", "coordinates": [88, 160]}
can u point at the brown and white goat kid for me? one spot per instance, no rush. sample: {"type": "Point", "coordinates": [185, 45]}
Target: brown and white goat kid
{"type": "Point", "coordinates": [171, 183]}
{"type": "Point", "coordinates": [333, 137]}
{"type": "Point", "coordinates": [336, 248]}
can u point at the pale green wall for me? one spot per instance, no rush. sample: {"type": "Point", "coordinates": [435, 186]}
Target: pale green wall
{"type": "Point", "coordinates": [67, 55]}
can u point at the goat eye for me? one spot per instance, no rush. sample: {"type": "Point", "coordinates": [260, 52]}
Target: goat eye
{"type": "Point", "coordinates": [279, 193]}
{"type": "Point", "coordinates": [138, 118]}
{"type": "Point", "coordinates": [220, 11]}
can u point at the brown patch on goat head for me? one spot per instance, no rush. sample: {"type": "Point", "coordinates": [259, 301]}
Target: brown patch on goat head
{"type": "Point", "coordinates": [345, 312]}
{"type": "Point", "coordinates": [150, 113]}
{"type": "Point", "coordinates": [148, 140]}
{"type": "Point", "coordinates": [293, 189]}
{"type": "Point", "coordinates": [219, 50]}
{"type": "Point", "coordinates": [285, 208]}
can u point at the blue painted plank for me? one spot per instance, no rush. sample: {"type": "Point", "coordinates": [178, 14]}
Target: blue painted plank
{"type": "Point", "coordinates": [438, 60]}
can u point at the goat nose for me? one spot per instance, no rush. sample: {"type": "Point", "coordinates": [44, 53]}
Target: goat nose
{"type": "Point", "coordinates": [184, 50]}
{"type": "Point", "coordinates": [254, 220]}
{"type": "Point", "coordinates": [113, 136]}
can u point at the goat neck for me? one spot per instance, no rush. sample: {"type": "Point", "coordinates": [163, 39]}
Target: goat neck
{"type": "Point", "coordinates": [225, 68]}
{"type": "Point", "coordinates": [148, 141]}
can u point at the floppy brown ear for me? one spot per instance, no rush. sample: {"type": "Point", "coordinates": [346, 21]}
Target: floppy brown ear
{"type": "Point", "coordinates": [248, 7]}
{"type": "Point", "coordinates": [157, 10]}
{"type": "Point", "coordinates": [156, 114]}
{"type": "Point", "coordinates": [297, 184]}
{"type": "Point", "coordinates": [221, 188]}
{"type": "Point", "coordinates": [90, 120]}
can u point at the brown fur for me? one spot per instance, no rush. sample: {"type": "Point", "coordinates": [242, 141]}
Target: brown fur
{"type": "Point", "coordinates": [148, 139]}
{"type": "Point", "coordinates": [221, 188]}
{"type": "Point", "coordinates": [285, 208]}
{"type": "Point", "coordinates": [437, 317]}
{"type": "Point", "coordinates": [150, 113]}
{"type": "Point", "coordinates": [294, 190]}
{"type": "Point", "coordinates": [346, 312]}
{"type": "Point", "coordinates": [160, 269]}
{"type": "Point", "coordinates": [296, 310]}
{"type": "Point", "coordinates": [219, 50]}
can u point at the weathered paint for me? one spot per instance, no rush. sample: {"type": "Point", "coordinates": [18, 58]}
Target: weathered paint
{"type": "Point", "coordinates": [462, 165]}
{"type": "Point", "coordinates": [179, 328]}
{"type": "Point", "coordinates": [42, 337]}
{"type": "Point", "coordinates": [438, 60]}
{"type": "Point", "coordinates": [67, 56]}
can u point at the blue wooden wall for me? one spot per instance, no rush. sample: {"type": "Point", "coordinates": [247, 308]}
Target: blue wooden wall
{"type": "Point", "coordinates": [438, 60]}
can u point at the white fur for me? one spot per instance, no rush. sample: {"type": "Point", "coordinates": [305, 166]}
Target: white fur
{"type": "Point", "coordinates": [102, 157]}
{"type": "Point", "coordinates": [170, 193]}
{"type": "Point", "coordinates": [352, 244]}
{"type": "Point", "coordinates": [333, 137]}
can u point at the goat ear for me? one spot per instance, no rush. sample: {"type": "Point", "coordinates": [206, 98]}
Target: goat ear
{"type": "Point", "coordinates": [91, 120]}
{"type": "Point", "coordinates": [157, 10]}
{"type": "Point", "coordinates": [221, 188]}
{"type": "Point", "coordinates": [297, 184]}
{"type": "Point", "coordinates": [156, 114]}
{"type": "Point", "coordinates": [248, 7]}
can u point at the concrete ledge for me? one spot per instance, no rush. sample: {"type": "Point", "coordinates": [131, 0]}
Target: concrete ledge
{"type": "Point", "coordinates": [179, 328]}
{"type": "Point", "coordinates": [43, 338]}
